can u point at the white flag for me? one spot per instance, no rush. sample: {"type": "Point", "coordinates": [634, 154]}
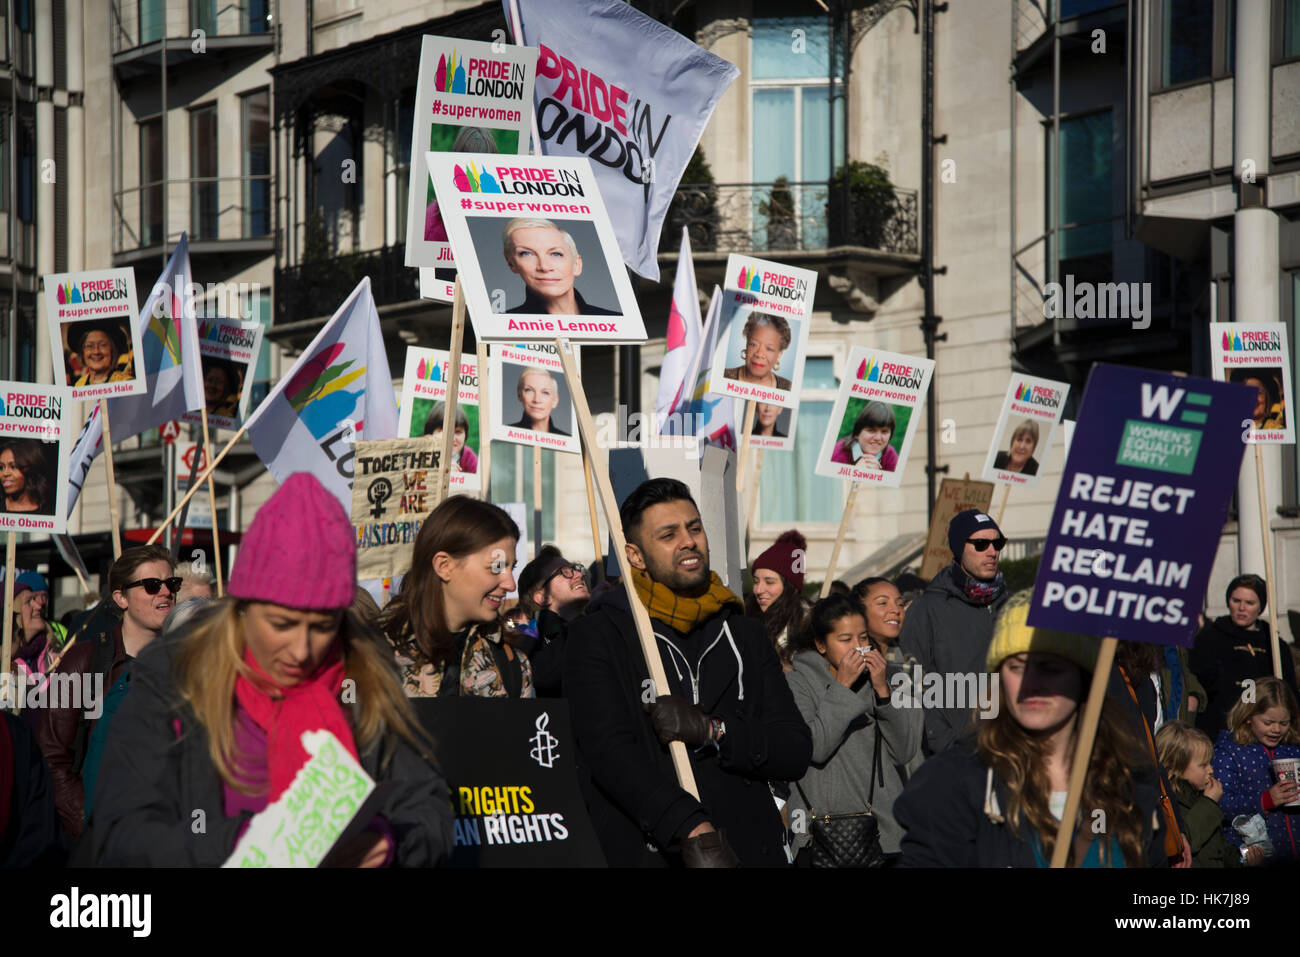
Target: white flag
{"type": "Point", "coordinates": [339, 391]}
{"type": "Point", "coordinates": [682, 352]}
{"type": "Point", "coordinates": [89, 444]}
{"type": "Point", "coordinates": [707, 415]}
{"type": "Point", "coordinates": [630, 94]}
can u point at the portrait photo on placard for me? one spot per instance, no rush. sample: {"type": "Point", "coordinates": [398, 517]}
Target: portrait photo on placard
{"type": "Point", "coordinates": [535, 398]}
{"type": "Point", "coordinates": [428, 417]}
{"type": "Point", "coordinates": [534, 265]}
{"type": "Point", "coordinates": [871, 435]}
{"type": "Point", "coordinates": [454, 138]}
{"type": "Point", "coordinates": [29, 475]}
{"type": "Point", "coordinates": [97, 351]}
{"type": "Point", "coordinates": [771, 422]}
{"type": "Point", "coordinates": [1270, 406]}
{"type": "Point", "coordinates": [758, 350]}
{"type": "Point", "coordinates": [1019, 444]}
{"type": "Point", "coordinates": [223, 384]}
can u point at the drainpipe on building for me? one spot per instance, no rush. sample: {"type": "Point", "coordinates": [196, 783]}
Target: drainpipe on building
{"type": "Point", "coordinates": [1254, 254]}
{"type": "Point", "coordinates": [44, 42]}
{"type": "Point", "coordinates": [929, 321]}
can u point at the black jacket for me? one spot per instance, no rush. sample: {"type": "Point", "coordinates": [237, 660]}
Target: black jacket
{"type": "Point", "coordinates": [533, 304]}
{"type": "Point", "coordinates": [942, 813]}
{"type": "Point", "coordinates": [1224, 656]}
{"type": "Point", "coordinates": [628, 780]}
{"type": "Point", "coordinates": [546, 653]}
{"type": "Point", "coordinates": [31, 837]}
{"type": "Point", "coordinates": [156, 784]}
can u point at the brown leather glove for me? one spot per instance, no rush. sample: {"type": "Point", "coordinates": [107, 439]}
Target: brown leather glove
{"type": "Point", "coordinates": [675, 719]}
{"type": "Point", "coordinates": [708, 850]}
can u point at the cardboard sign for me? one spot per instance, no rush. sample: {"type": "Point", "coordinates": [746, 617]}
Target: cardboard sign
{"type": "Point", "coordinates": [424, 400]}
{"type": "Point", "coordinates": [1256, 354]}
{"type": "Point", "coordinates": [94, 339]}
{"type": "Point", "coordinates": [773, 426]}
{"type": "Point", "coordinates": [228, 351]}
{"type": "Point", "coordinates": [328, 794]}
{"type": "Point", "coordinates": [35, 446]}
{"type": "Point", "coordinates": [392, 495]}
{"type": "Point", "coordinates": [532, 402]}
{"type": "Point", "coordinates": [1151, 471]}
{"type": "Point", "coordinates": [537, 256]}
{"type": "Point", "coordinates": [471, 97]}
{"type": "Point", "coordinates": [876, 416]}
{"type": "Point", "coordinates": [766, 318]}
{"type": "Point", "coordinates": [955, 495]}
{"type": "Point", "coordinates": [510, 765]}
{"type": "Point", "coordinates": [1030, 413]}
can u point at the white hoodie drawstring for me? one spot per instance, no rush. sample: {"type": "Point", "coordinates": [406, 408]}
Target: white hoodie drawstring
{"type": "Point", "coordinates": [740, 664]}
{"type": "Point", "coordinates": [991, 808]}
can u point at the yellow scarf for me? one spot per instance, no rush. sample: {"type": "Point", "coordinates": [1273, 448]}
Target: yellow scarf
{"type": "Point", "coordinates": [683, 613]}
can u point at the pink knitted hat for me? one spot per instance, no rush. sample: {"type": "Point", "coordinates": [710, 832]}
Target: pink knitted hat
{"type": "Point", "coordinates": [300, 551]}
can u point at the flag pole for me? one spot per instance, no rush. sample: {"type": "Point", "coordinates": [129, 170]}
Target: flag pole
{"type": "Point", "coordinates": [484, 425]}
{"type": "Point", "coordinates": [212, 497]}
{"type": "Point", "coordinates": [112, 485]}
{"type": "Point", "coordinates": [839, 538]}
{"type": "Point", "coordinates": [212, 465]}
{"type": "Point", "coordinates": [1267, 539]}
{"type": "Point", "coordinates": [453, 393]}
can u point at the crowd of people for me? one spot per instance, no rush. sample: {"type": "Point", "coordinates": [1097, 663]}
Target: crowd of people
{"type": "Point", "coordinates": [810, 739]}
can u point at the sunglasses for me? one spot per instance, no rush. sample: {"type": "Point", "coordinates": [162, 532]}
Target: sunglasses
{"type": "Point", "coordinates": [979, 544]}
{"type": "Point", "coordinates": [153, 585]}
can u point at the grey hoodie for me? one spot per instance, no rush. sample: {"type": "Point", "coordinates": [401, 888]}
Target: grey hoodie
{"type": "Point", "coordinates": [843, 724]}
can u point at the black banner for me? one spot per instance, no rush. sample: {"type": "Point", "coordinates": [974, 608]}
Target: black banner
{"type": "Point", "coordinates": [510, 766]}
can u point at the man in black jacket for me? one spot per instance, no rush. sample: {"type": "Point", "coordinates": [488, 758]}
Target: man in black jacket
{"type": "Point", "coordinates": [552, 592]}
{"type": "Point", "coordinates": [729, 704]}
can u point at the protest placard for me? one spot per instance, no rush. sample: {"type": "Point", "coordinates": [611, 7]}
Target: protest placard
{"type": "Point", "coordinates": [470, 97]}
{"type": "Point", "coordinates": [228, 351]}
{"type": "Point", "coordinates": [94, 339]}
{"type": "Point", "coordinates": [955, 495]}
{"type": "Point", "coordinates": [532, 398]}
{"type": "Point", "coordinates": [424, 404]}
{"type": "Point", "coordinates": [392, 495]}
{"type": "Point", "coordinates": [35, 443]}
{"type": "Point", "coordinates": [1256, 354]}
{"type": "Point", "coordinates": [536, 253]}
{"type": "Point", "coordinates": [875, 417]}
{"type": "Point", "coordinates": [510, 766]}
{"type": "Point", "coordinates": [773, 427]}
{"type": "Point", "coordinates": [766, 318]}
{"type": "Point", "coordinates": [1150, 474]}
{"type": "Point", "coordinates": [329, 801]}
{"type": "Point", "coordinates": [1030, 413]}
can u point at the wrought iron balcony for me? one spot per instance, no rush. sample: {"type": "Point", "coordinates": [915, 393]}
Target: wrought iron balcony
{"type": "Point", "coordinates": [314, 289]}
{"type": "Point", "coordinates": [773, 217]}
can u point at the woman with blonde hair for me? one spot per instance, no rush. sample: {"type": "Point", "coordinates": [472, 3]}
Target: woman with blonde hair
{"type": "Point", "coordinates": [214, 721]}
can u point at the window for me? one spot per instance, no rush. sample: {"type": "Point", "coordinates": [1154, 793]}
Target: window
{"type": "Point", "coordinates": [1077, 8]}
{"type": "Point", "coordinates": [1084, 197]}
{"type": "Point", "coordinates": [405, 130]}
{"type": "Point", "coordinates": [151, 184]}
{"type": "Point", "coordinates": [26, 174]}
{"type": "Point", "coordinates": [203, 173]}
{"type": "Point", "coordinates": [512, 481]}
{"type": "Point", "coordinates": [1188, 41]}
{"type": "Point", "coordinates": [256, 121]}
{"type": "Point", "coordinates": [151, 15]}
{"type": "Point", "coordinates": [1290, 28]}
{"type": "Point", "coordinates": [789, 491]}
{"type": "Point", "coordinates": [790, 91]}
{"type": "Point", "coordinates": [257, 16]}
{"type": "Point", "coordinates": [203, 16]}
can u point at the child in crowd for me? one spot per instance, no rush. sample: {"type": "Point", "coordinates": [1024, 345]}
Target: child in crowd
{"type": "Point", "coordinates": [1260, 731]}
{"type": "Point", "coordinates": [1186, 754]}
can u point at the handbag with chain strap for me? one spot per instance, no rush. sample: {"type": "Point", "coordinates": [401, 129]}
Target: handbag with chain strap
{"type": "Point", "coordinates": [847, 840]}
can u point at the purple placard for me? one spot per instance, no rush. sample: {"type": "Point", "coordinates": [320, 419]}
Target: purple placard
{"type": "Point", "coordinates": [1146, 489]}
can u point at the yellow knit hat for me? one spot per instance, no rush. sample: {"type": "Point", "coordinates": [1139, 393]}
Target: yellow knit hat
{"type": "Point", "coordinates": [1013, 636]}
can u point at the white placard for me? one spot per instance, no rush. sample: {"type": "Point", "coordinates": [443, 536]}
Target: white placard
{"type": "Point", "coordinates": [94, 338]}
{"type": "Point", "coordinates": [35, 446]}
{"type": "Point", "coordinates": [1030, 413]}
{"type": "Point", "coordinates": [228, 351]}
{"type": "Point", "coordinates": [532, 401]}
{"type": "Point", "coordinates": [1256, 354]}
{"type": "Point", "coordinates": [424, 393]}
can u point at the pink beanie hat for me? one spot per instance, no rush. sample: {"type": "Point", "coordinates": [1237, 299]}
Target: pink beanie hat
{"type": "Point", "coordinates": [300, 551]}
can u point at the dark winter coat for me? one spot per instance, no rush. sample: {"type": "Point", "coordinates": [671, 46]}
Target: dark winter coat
{"type": "Point", "coordinates": [730, 670]}
{"type": "Point", "coordinates": [1224, 656]}
{"type": "Point", "coordinates": [31, 836]}
{"type": "Point", "coordinates": [1204, 821]}
{"type": "Point", "coordinates": [948, 633]}
{"type": "Point", "coordinates": [1246, 772]}
{"type": "Point", "coordinates": [942, 813]}
{"type": "Point", "coordinates": [159, 801]}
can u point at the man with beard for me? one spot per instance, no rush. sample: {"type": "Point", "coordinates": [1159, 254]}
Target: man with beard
{"type": "Point", "coordinates": [552, 592]}
{"type": "Point", "coordinates": [728, 702]}
{"type": "Point", "coordinates": [949, 628]}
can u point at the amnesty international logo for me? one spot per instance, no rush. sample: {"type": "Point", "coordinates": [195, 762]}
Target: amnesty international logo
{"type": "Point", "coordinates": [544, 743]}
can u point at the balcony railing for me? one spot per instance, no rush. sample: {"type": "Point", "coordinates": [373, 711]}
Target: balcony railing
{"type": "Point", "coordinates": [314, 289]}
{"type": "Point", "coordinates": [137, 23]}
{"type": "Point", "coordinates": [208, 208]}
{"type": "Point", "coordinates": [762, 217]}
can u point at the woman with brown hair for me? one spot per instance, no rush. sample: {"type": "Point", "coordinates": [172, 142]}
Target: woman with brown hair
{"type": "Point", "coordinates": [445, 623]}
{"type": "Point", "coordinates": [995, 799]}
{"type": "Point", "coordinates": [212, 727]}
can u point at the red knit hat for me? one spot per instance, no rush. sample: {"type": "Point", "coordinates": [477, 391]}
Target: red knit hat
{"type": "Point", "coordinates": [788, 552]}
{"type": "Point", "coordinates": [300, 551]}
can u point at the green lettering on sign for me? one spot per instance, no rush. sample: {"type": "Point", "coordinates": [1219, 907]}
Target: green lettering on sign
{"type": "Point", "coordinates": [1165, 448]}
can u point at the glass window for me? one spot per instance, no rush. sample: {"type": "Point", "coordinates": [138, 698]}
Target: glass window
{"type": "Point", "coordinates": [405, 130]}
{"type": "Point", "coordinates": [789, 491]}
{"type": "Point", "coordinates": [151, 185]}
{"type": "Point", "coordinates": [790, 47]}
{"type": "Point", "coordinates": [256, 122]}
{"type": "Point", "coordinates": [26, 174]}
{"type": "Point", "coordinates": [257, 16]}
{"type": "Point", "coordinates": [1189, 40]}
{"type": "Point", "coordinates": [203, 16]}
{"type": "Point", "coordinates": [1085, 188]}
{"type": "Point", "coordinates": [512, 481]}
{"type": "Point", "coordinates": [203, 173]}
{"type": "Point", "coordinates": [1290, 28]}
{"type": "Point", "coordinates": [151, 15]}
{"type": "Point", "coordinates": [1076, 8]}
{"type": "Point", "coordinates": [5, 197]}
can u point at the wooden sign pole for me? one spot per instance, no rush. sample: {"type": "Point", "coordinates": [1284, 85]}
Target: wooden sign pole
{"type": "Point", "coordinates": [112, 485]}
{"type": "Point", "coordinates": [15, 693]}
{"type": "Point", "coordinates": [752, 500]}
{"type": "Point", "coordinates": [596, 542]}
{"type": "Point", "coordinates": [537, 500]}
{"type": "Point", "coordinates": [453, 394]}
{"type": "Point", "coordinates": [212, 497]}
{"type": "Point", "coordinates": [741, 462]}
{"type": "Point", "coordinates": [484, 425]}
{"type": "Point", "coordinates": [1002, 508]}
{"type": "Point", "coordinates": [644, 630]}
{"type": "Point", "coordinates": [1268, 560]}
{"type": "Point", "coordinates": [1087, 733]}
{"type": "Point", "coordinates": [839, 537]}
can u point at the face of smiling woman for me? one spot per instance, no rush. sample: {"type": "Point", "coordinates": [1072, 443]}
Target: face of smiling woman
{"type": "Point", "coordinates": [12, 480]}
{"type": "Point", "coordinates": [98, 355]}
{"type": "Point", "coordinates": [541, 258]}
{"type": "Point", "coordinates": [474, 586]}
{"type": "Point", "coordinates": [762, 352]}
{"type": "Point", "coordinates": [1022, 447]}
